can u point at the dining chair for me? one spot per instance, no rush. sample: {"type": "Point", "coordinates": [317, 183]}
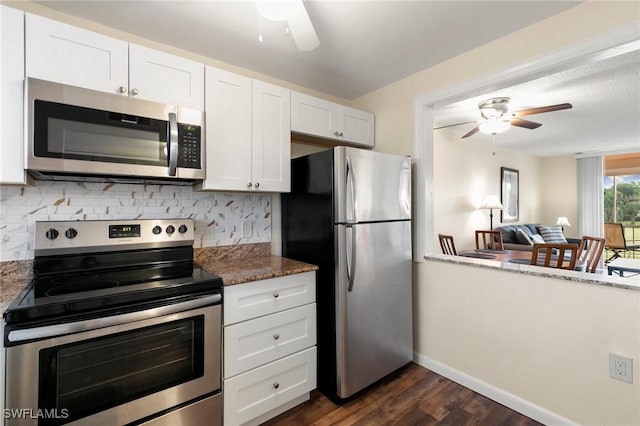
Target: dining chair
{"type": "Point", "coordinates": [555, 255]}
{"type": "Point", "coordinates": [447, 245]}
{"type": "Point", "coordinates": [489, 240]}
{"type": "Point", "coordinates": [590, 252]}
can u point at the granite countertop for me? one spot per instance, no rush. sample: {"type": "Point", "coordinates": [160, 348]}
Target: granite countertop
{"type": "Point", "coordinates": [242, 270]}
{"type": "Point", "coordinates": [628, 283]}
{"type": "Point", "coordinates": [235, 264]}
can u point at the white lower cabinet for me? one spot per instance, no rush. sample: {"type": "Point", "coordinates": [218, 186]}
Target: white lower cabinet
{"type": "Point", "coordinates": [269, 347]}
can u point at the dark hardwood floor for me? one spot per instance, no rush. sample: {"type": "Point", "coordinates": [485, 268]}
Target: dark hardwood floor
{"type": "Point", "coordinates": [412, 395]}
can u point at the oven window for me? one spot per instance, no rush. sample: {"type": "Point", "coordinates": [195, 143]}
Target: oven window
{"type": "Point", "coordinates": [93, 375]}
{"type": "Point", "coordinates": [71, 132]}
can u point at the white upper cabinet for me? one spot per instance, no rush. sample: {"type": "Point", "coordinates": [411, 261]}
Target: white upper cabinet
{"type": "Point", "coordinates": [66, 54]}
{"type": "Point", "coordinates": [59, 52]}
{"type": "Point", "coordinates": [324, 119]}
{"type": "Point", "coordinates": [271, 137]}
{"type": "Point", "coordinates": [248, 134]}
{"type": "Point", "coordinates": [162, 77]}
{"type": "Point", "coordinates": [12, 89]}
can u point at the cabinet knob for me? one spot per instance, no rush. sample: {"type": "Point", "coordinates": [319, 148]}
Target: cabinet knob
{"type": "Point", "coordinates": [122, 89]}
{"type": "Point", "coordinates": [276, 294]}
{"type": "Point", "coordinates": [336, 133]}
{"type": "Point", "coordinates": [249, 185]}
{"type": "Point", "coordinates": [134, 91]}
{"type": "Point", "coordinates": [341, 134]}
{"type": "Point", "coordinates": [257, 184]}
{"type": "Point", "coordinates": [276, 336]}
{"type": "Point", "coordinates": [276, 385]}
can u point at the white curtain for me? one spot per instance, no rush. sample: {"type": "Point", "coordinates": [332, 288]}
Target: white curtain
{"type": "Point", "coordinates": [591, 196]}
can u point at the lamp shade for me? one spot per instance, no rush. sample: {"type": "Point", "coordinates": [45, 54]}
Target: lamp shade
{"type": "Point", "coordinates": [491, 202]}
{"type": "Point", "coordinates": [495, 125]}
{"type": "Point", "coordinates": [562, 221]}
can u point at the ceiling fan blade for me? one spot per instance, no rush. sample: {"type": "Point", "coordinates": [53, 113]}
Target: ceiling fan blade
{"type": "Point", "coordinates": [540, 110]}
{"type": "Point", "coordinates": [452, 125]}
{"type": "Point", "coordinates": [471, 132]}
{"type": "Point", "coordinates": [301, 28]}
{"type": "Point", "coordinates": [524, 123]}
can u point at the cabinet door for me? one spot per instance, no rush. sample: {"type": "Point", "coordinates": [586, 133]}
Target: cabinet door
{"type": "Point", "coordinates": [258, 391]}
{"type": "Point", "coordinates": [162, 77]}
{"type": "Point", "coordinates": [271, 138]}
{"type": "Point", "coordinates": [314, 116]}
{"type": "Point", "coordinates": [12, 81]}
{"type": "Point", "coordinates": [264, 297]}
{"type": "Point", "coordinates": [357, 126]}
{"type": "Point", "coordinates": [256, 342]}
{"type": "Point", "coordinates": [65, 54]}
{"type": "Point", "coordinates": [228, 131]}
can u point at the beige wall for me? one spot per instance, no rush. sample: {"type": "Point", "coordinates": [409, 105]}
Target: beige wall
{"type": "Point", "coordinates": [474, 320]}
{"type": "Point", "coordinates": [465, 171]}
{"type": "Point", "coordinates": [545, 340]}
{"type": "Point", "coordinates": [559, 191]}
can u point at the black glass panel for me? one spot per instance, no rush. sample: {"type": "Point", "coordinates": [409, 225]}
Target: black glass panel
{"type": "Point", "coordinates": [91, 376]}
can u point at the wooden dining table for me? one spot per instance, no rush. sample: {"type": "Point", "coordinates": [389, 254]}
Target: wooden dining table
{"type": "Point", "coordinates": [500, 255]}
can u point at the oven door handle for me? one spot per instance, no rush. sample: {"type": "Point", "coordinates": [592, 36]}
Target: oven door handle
{"type": "Point", "coordinates": [96, 323]}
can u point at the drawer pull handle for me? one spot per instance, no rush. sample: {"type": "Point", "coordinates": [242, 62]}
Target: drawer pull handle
{"type": "Point", "coordinates": [276, 385]}
{"type": "Point", "coordinates": [276, 336]}
{"type": "Point", "coordinates": [276, 294]}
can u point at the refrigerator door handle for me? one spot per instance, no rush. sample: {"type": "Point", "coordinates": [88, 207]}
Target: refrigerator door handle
{"type": "Point", "coordinates": [351, 185]}
{"type": "Point", "coordinates": [351, 259]}
{"type": "Point", "coordinates": [404, 192]}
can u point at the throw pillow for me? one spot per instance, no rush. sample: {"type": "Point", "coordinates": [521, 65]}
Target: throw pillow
{"type": "Point", "coordinates": [523, 238]}
{"type": "Point", "coordinates": [537, 239]}
{"type": "Point", "coordinates": [552, 234]}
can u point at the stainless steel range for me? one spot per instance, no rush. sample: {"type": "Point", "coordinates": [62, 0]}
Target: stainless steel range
{"type": "Point", "coordinates": [119, 326]}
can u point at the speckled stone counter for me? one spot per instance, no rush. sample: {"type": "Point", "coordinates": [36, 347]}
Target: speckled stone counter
{"type": "Point", "coordinates": [628, 283]}
{"type": "Point", "coordinates": [235, 264]}
{"type": "Point", "coordinates": [250, 262]}
{"type": "Point", "coordinates": [14, 277]}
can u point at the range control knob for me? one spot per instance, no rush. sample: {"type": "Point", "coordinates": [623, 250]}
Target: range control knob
{"type": "Point", "coordinates": [182, 229]}
{"type": "Point", "coordinates": [71, 233]}
{"type": "Point", "coordinates": [156, 230]}
{"type": "Point", "coordinates": [52, 234]}
{"type": "Point", "coordinates": [171, 229]}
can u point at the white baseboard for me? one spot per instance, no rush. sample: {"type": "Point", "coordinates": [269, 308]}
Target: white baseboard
{"type": "Point", "coordinates": [507, 399]}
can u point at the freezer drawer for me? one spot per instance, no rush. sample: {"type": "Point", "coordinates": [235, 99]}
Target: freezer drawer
{"type": "Point", "coordinates": [374, 332]}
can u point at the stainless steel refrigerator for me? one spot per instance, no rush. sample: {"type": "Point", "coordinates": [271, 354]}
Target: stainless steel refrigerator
{"type": "Point", "coordinates": [349, 212]}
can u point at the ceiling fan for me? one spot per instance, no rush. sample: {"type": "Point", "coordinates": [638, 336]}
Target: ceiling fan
{"type": "Point", "coordinates": [496, 117]}
{"type": "Point", "coordinates": [298, 23]}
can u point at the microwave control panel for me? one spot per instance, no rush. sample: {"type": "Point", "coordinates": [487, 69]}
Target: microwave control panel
{"type": "Point", "coordinates": [190, 145]}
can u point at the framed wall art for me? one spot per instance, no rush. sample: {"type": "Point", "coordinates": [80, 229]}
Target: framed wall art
{"type": "Point", "coordinates": [510, 194]}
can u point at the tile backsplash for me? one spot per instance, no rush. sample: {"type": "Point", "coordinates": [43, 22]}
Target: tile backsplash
{"type": "Point", "coordinates": [219, 217]}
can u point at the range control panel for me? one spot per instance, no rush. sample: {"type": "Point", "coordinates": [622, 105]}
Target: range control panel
{"type": "Point", "coordinates": [53, 237]}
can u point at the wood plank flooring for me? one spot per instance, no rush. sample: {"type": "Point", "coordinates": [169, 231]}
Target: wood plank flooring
{"type": "Point", "coordinates": [412, 395]}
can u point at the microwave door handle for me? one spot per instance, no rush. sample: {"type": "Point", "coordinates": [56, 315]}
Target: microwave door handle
{"type": "Point", "coordinates": [172, 143]}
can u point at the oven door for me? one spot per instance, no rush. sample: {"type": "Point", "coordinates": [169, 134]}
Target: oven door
{"type": "Point", "coordinates": [80, 131]}
{"type": "Point", "coordinates": [120, 369]}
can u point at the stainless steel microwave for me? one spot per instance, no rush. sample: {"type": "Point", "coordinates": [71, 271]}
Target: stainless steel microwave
{"type": "Point", "coordinates": [80, 133]}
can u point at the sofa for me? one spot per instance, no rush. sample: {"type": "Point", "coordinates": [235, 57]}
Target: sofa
{"type": "Point", "coordinates": [513, 239]}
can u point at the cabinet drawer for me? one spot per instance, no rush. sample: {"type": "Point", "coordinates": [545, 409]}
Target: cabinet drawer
{"type": "Point", "coordinates": [252, 343]}
{"type": "Point", "coordinates": [258, 391]}
{"type": "Point", "coordinates": [258, 298]}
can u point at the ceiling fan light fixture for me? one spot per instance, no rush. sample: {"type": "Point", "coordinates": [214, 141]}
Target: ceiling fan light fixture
{"type": "Point", "coordinates": [275, 10]}
{"type": "Point", "coordinates": [491, 127]}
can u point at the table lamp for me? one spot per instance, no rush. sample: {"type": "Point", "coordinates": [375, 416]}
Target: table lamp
{"type": "Point", "coordinates": [562, 221]}
{"type": "Point", "coordinates": [491, 202]}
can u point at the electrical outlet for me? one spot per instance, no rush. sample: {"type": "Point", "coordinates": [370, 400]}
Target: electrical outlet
{"type": "Point", "coordinates": [247, 229]}
{"type": "Point", "coordinates": [621, 368]}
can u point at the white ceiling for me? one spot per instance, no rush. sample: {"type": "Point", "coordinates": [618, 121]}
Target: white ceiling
{"type": "Point", "coordinates": [365, 45]}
